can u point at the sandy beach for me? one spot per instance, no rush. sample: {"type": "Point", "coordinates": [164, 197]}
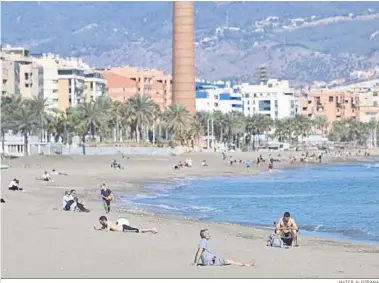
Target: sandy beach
{"type": "Point", "coordinates": [39, 240]}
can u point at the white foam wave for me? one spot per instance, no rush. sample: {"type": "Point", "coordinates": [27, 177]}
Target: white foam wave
{"type": "Point", "coordinates": [373, 165]}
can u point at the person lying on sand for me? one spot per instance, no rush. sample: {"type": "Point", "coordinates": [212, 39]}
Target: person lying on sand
{"type": "Point", "coordinates": [286, 227]}
{"type": "Point", "coordinates": [54, 172]}
{"type": "Point", "coordinates": [208, 258]}
{"type": "Point", "coordinates": [45, 177]}
{"type": "Point", "coordinates": [14, 185]}
{"type": "Point", "coordinates": [107, 225]}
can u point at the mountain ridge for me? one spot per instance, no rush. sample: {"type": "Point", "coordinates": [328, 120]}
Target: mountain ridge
{"type": "Point", "coordinates": [300, 41]}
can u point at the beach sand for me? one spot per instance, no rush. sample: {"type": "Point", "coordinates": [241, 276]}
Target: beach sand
{"type": "Point", "coordinates": [39, 240]}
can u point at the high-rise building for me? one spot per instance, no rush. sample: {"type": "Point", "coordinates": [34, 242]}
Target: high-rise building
{"type": "Point", "coordinates": [126, 82]}
{"type": "Point", "coordinates": [183, 55]}
{"type": "Point", "coordinates": [274, 98]}
{"type": "Point", "coordinates": [20, 75]}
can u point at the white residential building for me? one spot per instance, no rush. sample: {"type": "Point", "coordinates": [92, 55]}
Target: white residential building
{"type": "Point", "coordinates": [275, 99]}
{"type": "Point", "coordinates": [217, 96]}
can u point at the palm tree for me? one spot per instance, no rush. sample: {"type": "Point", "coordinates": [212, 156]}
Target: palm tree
{"type": "Point", "coordinates": [142, 111]}
{"type": "Point", "coordinates": [321, 123]}
{"type": "Point", "coordinates": [177, 120]}
{"type": "Point", "coordinates": [9, 104]}
{"type": "Point", "coordinates": [39, 105]}
{"type": "Point", "coordinates": [25, 121]}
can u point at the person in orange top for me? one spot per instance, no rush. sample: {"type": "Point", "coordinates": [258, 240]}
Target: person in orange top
{"type": "Point", "coordinates": [286, 227]}
{"type": "Point", "coordinates": [107, 196]}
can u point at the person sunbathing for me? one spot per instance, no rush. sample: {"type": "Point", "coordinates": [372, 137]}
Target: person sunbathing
{"type": "Point", "coordinates": [55, 172]}
{"type": "Point", "coordinates": [107, 225]}
{"type": "Point", "coordinates": [286, 227]}
{"type": "Point", "coordinates": [208, 258]}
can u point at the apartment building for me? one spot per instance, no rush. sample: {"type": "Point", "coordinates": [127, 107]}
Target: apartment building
{"type": "Point", "coordinates": [125, 82]}
{"type": "Point", "coordinates": [368, 103]}
{"type": "Point", "coordinates": [217, 96]}
{"type": "Point", "coordinates": [20, 74]}
{"type": "Point", "coordinates": [333, 104]}
{"type": "Point", "coordinates": [273, 98]}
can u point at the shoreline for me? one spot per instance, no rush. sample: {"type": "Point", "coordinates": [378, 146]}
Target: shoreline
{"type": "Point", "coordinates": [171, 186]}
{"type": "Point", "coordinates": [36, 217]}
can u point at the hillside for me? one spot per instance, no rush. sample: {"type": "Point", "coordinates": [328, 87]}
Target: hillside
{"type": "Point", "coordinates": [301, 41]}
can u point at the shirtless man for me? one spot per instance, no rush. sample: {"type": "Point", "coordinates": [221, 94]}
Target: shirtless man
{"type": "Point", "coordinates": [107, 225]}
{"type": "Point", "coordinates": [286, 226]}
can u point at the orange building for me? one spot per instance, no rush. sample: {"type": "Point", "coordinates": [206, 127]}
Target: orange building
{"type": "Point", "coordinates": [125, 82]}
{"type": "Point", "coordinates": [335, 105]}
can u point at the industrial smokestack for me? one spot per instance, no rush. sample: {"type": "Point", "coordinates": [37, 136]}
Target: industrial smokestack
{"type": "Point", "coordinates": [183, 56]}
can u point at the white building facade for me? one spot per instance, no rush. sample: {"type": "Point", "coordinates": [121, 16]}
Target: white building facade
{"type": "Point", "coordinates": [217, 96]}
{"type": "Point", "coordinates": [275, 99]}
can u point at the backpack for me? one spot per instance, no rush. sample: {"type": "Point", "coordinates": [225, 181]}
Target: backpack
{"type": "Point", "coordinates": [275, 240]}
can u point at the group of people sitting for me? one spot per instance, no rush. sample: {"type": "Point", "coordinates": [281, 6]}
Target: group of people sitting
{"type": "Point", "coordinates": [72, 203]}
{"type": "Point", "coordinates": [116, 165]}
{"type": "Point", "coordinates": [186, 163]}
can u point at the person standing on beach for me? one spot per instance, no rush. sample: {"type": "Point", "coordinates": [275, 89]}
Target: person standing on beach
{"type": "Point", "coordinates": [107, 196]}
{"type": "Point", "coordinates": [208, 258]}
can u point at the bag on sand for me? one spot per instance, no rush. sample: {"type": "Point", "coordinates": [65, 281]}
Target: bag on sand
{"type": "Point", "coordinates": [275, 240]}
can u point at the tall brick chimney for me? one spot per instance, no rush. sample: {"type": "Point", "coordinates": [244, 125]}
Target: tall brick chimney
{"type": "Point", "coordinates": [183, 55]}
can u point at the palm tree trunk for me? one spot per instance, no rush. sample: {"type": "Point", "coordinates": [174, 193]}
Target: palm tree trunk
{"type": "Point", "coordinates": [26, 152]}
{"type": "Point", "coordinates": [3, 141]}
{"type": "Point", "coordinates": [137, 134]}
{"type": "Point", "coordinates": [84, 144]}
{"type": "Point", "coordinates": [153, 133]}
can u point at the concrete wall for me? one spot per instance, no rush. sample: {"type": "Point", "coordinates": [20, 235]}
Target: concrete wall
{"type": "Point", "coordinates": [117, 150]}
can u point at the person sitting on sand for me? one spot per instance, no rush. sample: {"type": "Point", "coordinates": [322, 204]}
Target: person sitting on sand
{"type": "Point", "coordinates": [204, 163]}
{"type": "Point", "coordinates": [71, 205]}
{"type": "Point", "coordinates": [14, 185]}
{"type": "Point", "coordinates": [54, 172]}
{"type": "Point", "coordinates": [107, 225]}
{"type": "Point", "coordinates": [66, 198]}
{"type": "Point", "coordinates": [45, 177]}
{"type": "Point", "coordinates": [208, 258]}
{"type": "Point", "coordinates": [286, 227]}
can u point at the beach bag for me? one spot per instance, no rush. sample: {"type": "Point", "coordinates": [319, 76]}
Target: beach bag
{"type": "Point", "coordinates": [275, 240]}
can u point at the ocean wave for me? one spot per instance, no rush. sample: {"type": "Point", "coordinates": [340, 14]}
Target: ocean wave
{"type": "Point", "coordinates": [149, 196]}
{"type": "Point", "coordinates": [233, 196]}
{"type": "Point", "coordinates": [376, 165]}
{"type": "Point", "coordinates": [191, 208]}
{"type": "Point", "coordinates": [351, 232]}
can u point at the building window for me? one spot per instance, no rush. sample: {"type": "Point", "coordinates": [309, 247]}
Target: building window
{"type": "Point", "coordinates": [276, 104]}
{"type": "Point", "coordinates": [26, 76]}
{"type": "Point", "coordinates": [26, 85]}
{"type": "Point", "coordinates": [248, 102]}
{"type": "Point", "coordinates": [375, 103]}
{"type": "Point", "coordinates": [216, 96]}
{"type": "Point", "coordinates": [216, 104]}
{"type": "Point", "coordinates": [265, 105]}
{"type": "Point", "coordinates": [330, 98]}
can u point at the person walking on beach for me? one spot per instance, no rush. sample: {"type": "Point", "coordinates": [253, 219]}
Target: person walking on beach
{"type": "Point", "coordinates": [107, 196]}
{"type": "Point", "coordinates": [208, 258]}
{"type": "Point", "coordinates": [107, 225]}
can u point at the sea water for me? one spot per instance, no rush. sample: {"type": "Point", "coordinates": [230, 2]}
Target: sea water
{"type": "Point", "coordinates": [333, 201]}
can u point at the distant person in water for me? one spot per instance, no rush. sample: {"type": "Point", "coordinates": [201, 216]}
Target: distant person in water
{"type": "Point", "coordinates": [107, 225]}
{"type": "Point", "coordinates": [248, 165]}
{"type": "Point", "coordinates": [270, 167]}
{"type": "Point", "coordinates": [208, 258]}
{"type": "Point", "coordinates": [286, 227]}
